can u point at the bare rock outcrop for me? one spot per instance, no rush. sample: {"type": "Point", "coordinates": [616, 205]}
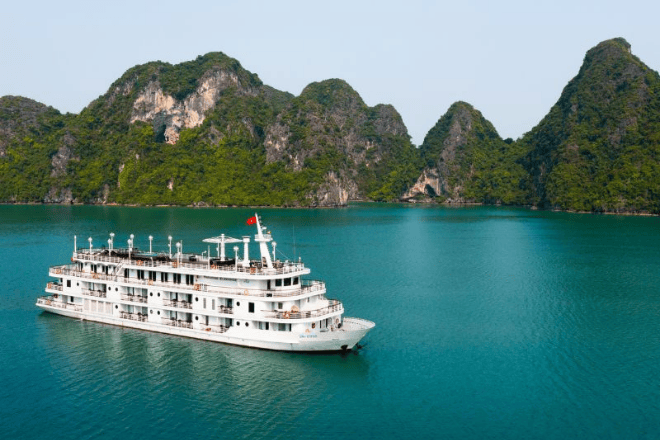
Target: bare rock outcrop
{"type": "Point", "coordinates": [169, 115]}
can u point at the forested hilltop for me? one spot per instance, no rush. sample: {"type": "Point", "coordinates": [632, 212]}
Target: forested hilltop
{"type": "Point", "coordinates": [208, 132]}
{"type": "Point", "coordinates": [205, 132]}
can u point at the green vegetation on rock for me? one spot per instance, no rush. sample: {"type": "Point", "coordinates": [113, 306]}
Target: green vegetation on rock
{"type": "Point", "coordinates": [208, 132]}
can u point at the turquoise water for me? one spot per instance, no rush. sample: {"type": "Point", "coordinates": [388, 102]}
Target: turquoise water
{"type": "Point", "coordinates": [491, 323]}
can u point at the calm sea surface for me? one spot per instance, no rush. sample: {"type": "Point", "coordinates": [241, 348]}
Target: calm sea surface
{"type": "Point", "coordinates": [491, 323]}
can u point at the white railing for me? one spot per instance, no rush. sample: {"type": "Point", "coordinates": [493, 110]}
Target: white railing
{"type": "Point", "coordinates": [54, 286]}
{"type": "Point", "coordinates": [97, 293]}
{"type": "Point", "coordinates": [215, 328]}
{"type": "Point", "coordinates": [176, 323]}
{"type": "Point", "coordinates": [280, 267]}
{"type": "Point", "coordinates": [133, 316]}
{"type": "Point", "coordinates": [134, 298]}
{"type": "Point", "coordinates": [226, 310]}
{"type": "Point", "coordinates": [177, 303]}
{"type": "Point", "coordinates": [333, 306]}
{"type": "Point", "coordinates": [307, 286]}
{"type": "Point", "coordinates": [50, 302]}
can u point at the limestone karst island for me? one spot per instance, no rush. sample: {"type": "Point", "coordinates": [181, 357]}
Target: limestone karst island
{"type": "Point", "coordinates": [208, 132]}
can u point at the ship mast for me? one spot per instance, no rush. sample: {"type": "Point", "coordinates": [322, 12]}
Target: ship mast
{"type": "Point", "coordinates": [263, 246]}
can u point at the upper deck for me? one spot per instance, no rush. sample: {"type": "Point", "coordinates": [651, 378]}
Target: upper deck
{"type": "Point", "coordinates": [189, 263]}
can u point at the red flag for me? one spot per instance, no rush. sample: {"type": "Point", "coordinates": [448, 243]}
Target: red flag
{"type": "Point", "coordinates": [252, 220]}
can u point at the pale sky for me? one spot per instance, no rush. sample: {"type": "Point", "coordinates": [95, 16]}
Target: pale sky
{"type": "Point", "coordinates": [510, 59]}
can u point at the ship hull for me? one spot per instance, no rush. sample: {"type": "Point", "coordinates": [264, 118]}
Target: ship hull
{"type": "Point", "coordinates": [343, 339]}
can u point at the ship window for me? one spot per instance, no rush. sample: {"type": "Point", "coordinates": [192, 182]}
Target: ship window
{"type": "Point", "coordinates": [287, 281]}
{"type": "Point", "coordinates": [68, 283]}
{"type": "Point", "coordinates": [196, 318]}
{"type": "Point", "coordinates": [247, 324]}
{"type": "Point", "coordinates": [266, 326]}
{"type": "Point", "coordinates": [152, 275]}
{"type": "Point", "coordinates": [251, 307]}
{"type": "Point", "coordinates": [126, 273]}
{"type": "Point", "coordinates": [280, 305]}
{"type": "Point", "coordinates": [295, 280]}
{"type": "Point", "coordinates": [177, 278]}
{"type": "Point", "coordinates": [140, 274]}
{"type": "Point", "coordinates": [151, 311]}
{"type": "Point", "coordinates": [203, 302]}
{"type": "Point", "coordinates": [238, 303]}
{"type": "Point", "coordinates": [151, 294]}
{"type": "Point", "coordinates": [190, 279]}
{"type": "Point", "coordinates": [163, 277]}
{"type": "Point", "coordinates": [278, 282]}
{"type": "Point", "coordinates": [213, 304]}
{"type": "Point", "coordinates": [238, 323]}
{"type": "Point", "coordinates": [158, 312]}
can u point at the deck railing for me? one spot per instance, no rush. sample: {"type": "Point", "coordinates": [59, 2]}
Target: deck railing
{"type": "Point", "coordinates": [54, 286]}
{"type": "Point", "coordinates": [97, 293]}
{"type": "Point", "coordinates": [133, 316]}
{"type": "Point", "coordinates": [256, 269]}
{"type": "Point", "coordinates": [176, 323]}
{"type": "Point", "coordinates": [177, 303]}
{"type": "Point", "coordinates": [226, 310]}
{"type": "Point", "coordinates": [134, 298]}
{"type": "Point", "coordinates": [305, 287]}
{"type": "Point", "coordinates": [333, 306]}
{"type": "Point", "coordinates": [49, 301]}
{"type": "Point", "coordinates": [215, 328]}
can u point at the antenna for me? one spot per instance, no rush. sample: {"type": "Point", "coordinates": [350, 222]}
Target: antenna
{"type": "Point", "coordinates": [294, 243]}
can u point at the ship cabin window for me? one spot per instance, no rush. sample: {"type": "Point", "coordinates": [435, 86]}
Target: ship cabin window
{"type": "Point", "coordinates": [280, 306]}
{"type": "Point", "coordinates": [68, 283]}
{"type": "Point", "coordinates": [152, 275]}
{"type": "Point", "coordinates": [251, 307]}
{"type": "Point", "coordinates": [177, 278]}
{"type": "Point", "coordinates": [284, 327]}
{"type": "Point", "coordinates": [278, 282]}
{"type": "Point", "coordinates": [140, 274]}
{"type": "Point", "coordinates": [92, 268]}
{"type": "Point", "coordinates": [287, 282]}
{"type": "Point", "coordinates": [190, 280]}
{"type": "Point", "coordinates": [163, 277]}
{"type": "Point", "coordinates": [203, 302]}
{"type": "Point", "coordinates": [126, 273]}
{"type": "Point", "coordinates": [296, 280]}
{"type": "Point", "coordinates": [213, 304]}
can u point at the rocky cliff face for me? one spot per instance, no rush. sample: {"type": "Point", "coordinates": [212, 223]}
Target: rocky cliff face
{"type": "Point", "coordinates": [206, 132]}
{"type": "Point", "coordinates": [448, 156]}
{"type": "Point", "coordinates": [330, 122]}
{"type": "Point", "coordinates": [169, 115]}
{"type": "Point", "coordinates": [467, 162]}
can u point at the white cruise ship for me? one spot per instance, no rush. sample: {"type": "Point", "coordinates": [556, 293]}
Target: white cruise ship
{"type": "Point", "coordinates": [263, 303]}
